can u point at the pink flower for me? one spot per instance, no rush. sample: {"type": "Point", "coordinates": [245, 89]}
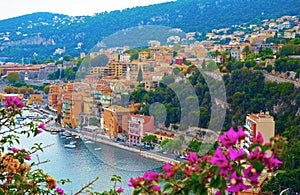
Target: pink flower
{"type": "Point", "coordinates": [42, 126]}
{"type": "Point", "coordinates": [236, 184]}
{"type": "Point", "coordinates": [151, 176]}
{"type": "Point", "coordinates": [258, 139]}
{"type": "Point", "coordinates": [241, 133]}
{"type": "Point", "coordinates": [229, 139]}
{"type": "Point", "coordinates": [28, 157]}
{"type": "Point", "coordinates": [219, 158]}
{"type": "Point", "coordinates": [120, 190]}
{"type": "Point", "coordinates": [14, 150]}
{"type": "Point", "coordinates": [188, 170]}
{"type": "Point", "coordinates": [193, 158]}
{"type": "Point", "coordinates": [236, 155]}
{"type": "Point", "coordinates": [156, 188]}
{"type": "Point", "coordinates": [257, 154]}
{"type": "Point", "coordinates": [224, 171]}
{"type": "Point", "coordinates": [39, 131]}
{"type": "Point", "coordinates": [59, 191]}
{"type": "Point", "coordinates": [218, 192]}
{"type": "Point", "coordinates": [168, 170]}
{"type": "Point", "coordinates": [135, 182]}
{"type": "Point", "coordinates": [252, 174]}
{"type": "Point", "coordinates": [272, 162]}
{"type": "Point", "coordinates": [14, 102]}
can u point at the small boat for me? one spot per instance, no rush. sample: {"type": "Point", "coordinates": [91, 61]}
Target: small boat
{"type": "Point", "coordinates": [70, 146]}
{"type": "Point", "coordinates": [73, 142]}
{"type": "Point", "coordinates": [88, 142]}
{"type": "Point", "coordinates": [97, 149]}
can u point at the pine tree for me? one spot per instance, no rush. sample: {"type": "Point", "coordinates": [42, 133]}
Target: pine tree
{"type": "Point", "coordinates": [140, 75]}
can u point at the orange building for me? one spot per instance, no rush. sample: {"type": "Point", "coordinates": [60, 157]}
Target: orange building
{"type": "Point", "coordinates": [71, 109]}
{"type": "Point", "coordinates": [35, 99]}
{"type": "Point", "coordinates": [115, 120]}
{"type": "Point", "coordinates": [54, 95]}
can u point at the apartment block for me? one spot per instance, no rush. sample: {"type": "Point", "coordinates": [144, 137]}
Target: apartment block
{"type": "Point", "coordinates": [262, 122]}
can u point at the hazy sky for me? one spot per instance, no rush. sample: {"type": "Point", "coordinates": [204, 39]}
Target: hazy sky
{"type": "Point", "coordinates": [12, 8]}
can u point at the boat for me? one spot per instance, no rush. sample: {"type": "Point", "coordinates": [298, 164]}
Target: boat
{"type": "Point", "coordinates": [73, 142]}
{"type": "Point", "coordinates": [88, 142]}
{"type": "Point", "coordinates": [97, 149]}
{"type": "Point", "coordinates": [70, 146]}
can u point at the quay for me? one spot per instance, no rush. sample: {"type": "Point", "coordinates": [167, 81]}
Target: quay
{"type": "Point", "coordinates": [104, 140]}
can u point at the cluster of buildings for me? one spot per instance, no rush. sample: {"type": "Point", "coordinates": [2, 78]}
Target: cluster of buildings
{"type": "Point", "coordinates": [95, 100]}
{"type": "Point", "coordinates": [89, 105]}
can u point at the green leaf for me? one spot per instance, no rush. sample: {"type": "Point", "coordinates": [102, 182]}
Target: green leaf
{"type": "Point", "coordinates": [18, 177]}
{"type": "Point", "coordinates": [257, 165]}
{"type": "Point", "coordinates": [215, 181]}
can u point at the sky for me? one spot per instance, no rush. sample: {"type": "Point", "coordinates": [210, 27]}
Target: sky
{"type": "Point", "coordinates": [13, 8]}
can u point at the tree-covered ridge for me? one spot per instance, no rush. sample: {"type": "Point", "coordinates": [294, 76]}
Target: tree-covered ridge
{"type": "Point", "coordinates": [189, 15]}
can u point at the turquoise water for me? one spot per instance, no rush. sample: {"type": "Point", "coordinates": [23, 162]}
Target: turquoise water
{"type": "Point", "coordinates": [84, 163]}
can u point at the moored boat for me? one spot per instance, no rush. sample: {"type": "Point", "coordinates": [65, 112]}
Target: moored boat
{"type": "Point", "coordinates": [70, 146]}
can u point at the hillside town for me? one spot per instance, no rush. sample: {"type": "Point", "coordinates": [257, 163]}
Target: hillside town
{"type": "Point", "coordinates": [100, 101]}
{"type": "Point", "coordinates": [93, 92]}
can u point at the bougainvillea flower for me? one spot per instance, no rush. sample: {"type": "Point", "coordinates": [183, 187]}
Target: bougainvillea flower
{"type": "Point", "coordinates": [42, 126]}
{"type": "Point", "coordinates": [135, 182]}
{"type": "Point", "coordinates": [218, 192]}
{"type": "Point", "coordinates": [14, 102]}
{"type": "Point", "coordinates": [272, 162]}
{"type": "Point", "coordinates": [151, 176]}
{"type": "Point", "coordinates": [219, 158]}
{"type": "Point", "coordinates": [229, 139]}
{"type": "Point", "coordinates": [59, 191]}
{"type": "Point", "coordinates": [28, 157]}
{"type": "Point", "coordinates": [258, 139]}
{"type": "Point", "coordinates": [193, 158]}
{"type": "Point", "coordinates": [241, 133]}
{"type": "Point", "coordinates": [251, 174]}
{"type": "Point", "coordinates": [236, 184]}
{"type": "Point", "coordinates": [120, 190]}
{"type": "Point", "coordinates": [156, 188]}
{"type": "Point", "coordinates": [168, 169]}
{"type": "Point", "coordinates": [236, 155]}
{"type": "Point", "coordinates": [257, 154]}
{"type": "Point", "coordinates": [14, 150]}
{"type": "Point", "coordinates": [224, 171]}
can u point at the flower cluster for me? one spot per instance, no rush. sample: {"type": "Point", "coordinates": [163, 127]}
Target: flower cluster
{"type": "Point", "coordinates": [230, 168]}
{"type": "Point", "coordinates": [14, 103]}
{"type": "Point", "coordinates": [16, 176]}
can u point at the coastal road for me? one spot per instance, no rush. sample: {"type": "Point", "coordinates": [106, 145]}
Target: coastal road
{"type": "Point", "coordinates": [169, 157]}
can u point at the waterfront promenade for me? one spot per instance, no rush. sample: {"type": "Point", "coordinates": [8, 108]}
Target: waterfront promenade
{"type": "Point", "coordinates": [103, 139]}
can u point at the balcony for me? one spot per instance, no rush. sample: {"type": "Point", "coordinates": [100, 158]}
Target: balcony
{"type": "Point", "coordinates": [66, 107]}
{"type": "Point", "coordinates": [247, 126]}
{"type": "Point", "coordinates": [132, 132]}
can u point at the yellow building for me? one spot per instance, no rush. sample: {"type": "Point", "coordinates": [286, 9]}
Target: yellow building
{"type": "Point", "coordinates": [161, 136]}
{"type": "Point", "coordinates": [144, 55]}
{"type": "Point", "coordinates": [35, 99]}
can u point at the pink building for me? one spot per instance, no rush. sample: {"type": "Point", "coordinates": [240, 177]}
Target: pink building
{"type": "Point", "coordinates": [138, 125]}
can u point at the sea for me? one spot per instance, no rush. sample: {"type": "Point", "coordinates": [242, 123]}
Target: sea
{"type": "Point", "coordinates": [87, 161]}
